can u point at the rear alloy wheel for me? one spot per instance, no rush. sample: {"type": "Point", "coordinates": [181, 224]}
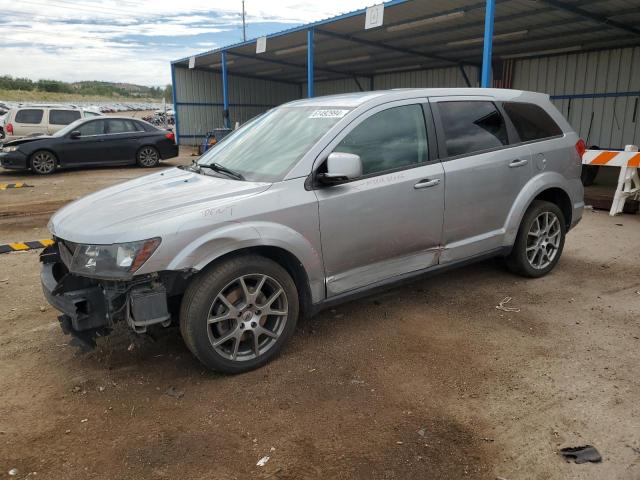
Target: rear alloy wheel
{"type": "Point", "coordinates": [540, 240]}
{"type": "Point", "coordinates": [43, 162]}
{"type": "Point", "coordinates": [238, 315]}
{"type": "Point", "coordinates": [148, 157]}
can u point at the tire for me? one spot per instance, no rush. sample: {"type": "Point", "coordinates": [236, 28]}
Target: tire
{"type": "Point", "coordinates": [43, 162]}
{"type": "Point", "coordinates": [148, 157]}
{"type": "Point", "coordinates": [206, 320]}
{"type": "Point", "coordinates": [535, 256]}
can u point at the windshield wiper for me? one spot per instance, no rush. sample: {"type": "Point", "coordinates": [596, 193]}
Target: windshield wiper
{"type": "Point", "coordinates": [216, 167]}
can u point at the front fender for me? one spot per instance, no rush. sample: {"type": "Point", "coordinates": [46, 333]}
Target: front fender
{"type": "Point", "coordinates": [237, 236]}
{"type": "Point", "coordinates": [530, 191]}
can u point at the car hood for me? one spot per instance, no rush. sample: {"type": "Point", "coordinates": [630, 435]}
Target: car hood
{"type": "Point", "coordinates": [147, 207]}
{"type": "Point", "coordinates": [20, 141]}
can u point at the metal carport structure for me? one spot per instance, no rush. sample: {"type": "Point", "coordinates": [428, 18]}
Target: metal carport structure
{"type": "Point", "coordinates": [584, 53]}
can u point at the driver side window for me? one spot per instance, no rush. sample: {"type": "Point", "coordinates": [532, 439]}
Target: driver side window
{"type": "Point", "coordinates": [388, 140]}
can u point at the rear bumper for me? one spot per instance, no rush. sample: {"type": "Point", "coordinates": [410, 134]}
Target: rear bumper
{"type": "Point", "coordinates": [17, 160]}
{"type": "Point", "coordinates": [169, 150]}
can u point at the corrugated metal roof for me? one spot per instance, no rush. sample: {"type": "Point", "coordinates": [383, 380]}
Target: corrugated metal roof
{"type": "Point", "coordinates": [431, 34]}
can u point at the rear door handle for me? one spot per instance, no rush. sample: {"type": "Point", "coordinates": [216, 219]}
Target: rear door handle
{"type": "Point", "coordinates": [426, 183]}
{"type": "Point", "coordinates": [518, 163]}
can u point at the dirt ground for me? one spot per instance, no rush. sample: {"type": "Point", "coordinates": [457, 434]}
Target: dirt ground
{"type": "Point", "coordinates": [427, 381]}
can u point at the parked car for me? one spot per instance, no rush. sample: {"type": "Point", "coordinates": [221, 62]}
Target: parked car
{"type": "Point", "coordinates": [91, 142]}
{"type": "Point", "coordinates": [35, 120]}
{"type": "Point", "coordinates": [314, 203]}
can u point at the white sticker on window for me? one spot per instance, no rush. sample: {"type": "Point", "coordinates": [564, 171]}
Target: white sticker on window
{"type": "Point", "coordinates": [333, 113]}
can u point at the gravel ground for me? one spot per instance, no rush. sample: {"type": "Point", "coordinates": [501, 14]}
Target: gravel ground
{"type": "Point", "coordinates": [427, 381]}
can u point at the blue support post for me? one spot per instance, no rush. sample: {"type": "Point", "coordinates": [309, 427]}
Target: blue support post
{"type": "Point", "coordinates": [175, 104]}
{"type": "Point", "coordinates": [310, 63]}
{"type": "Point", "coordinates": [488, 43]}
{"type": "Point", "coordinates": [225, 91]}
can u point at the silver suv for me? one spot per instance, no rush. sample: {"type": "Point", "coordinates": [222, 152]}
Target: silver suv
{"type": "Point", "coordinates": [311, 204]}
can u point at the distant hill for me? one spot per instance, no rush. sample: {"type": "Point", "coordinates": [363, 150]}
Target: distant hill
{"type": "Point", "coordinates": [86, 88]}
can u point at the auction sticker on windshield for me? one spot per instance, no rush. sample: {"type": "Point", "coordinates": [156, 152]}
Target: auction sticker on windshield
{"type": "Point", "coordinates": [328, 113]}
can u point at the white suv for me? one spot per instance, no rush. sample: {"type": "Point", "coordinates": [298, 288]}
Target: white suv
{"type": "Point", "coordinates": [35, 120]}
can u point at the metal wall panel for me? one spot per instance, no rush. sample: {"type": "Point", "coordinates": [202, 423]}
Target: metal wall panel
{"type": "Point", "coordinates": [199, 98]}
{"type": "Point", "coordinates": [608, 119]}
{"type": "Point", "coordinates": [433, 78]}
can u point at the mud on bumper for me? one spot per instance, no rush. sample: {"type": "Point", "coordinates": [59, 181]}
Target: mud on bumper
{"type": "Point", "coordinates": [90, 307]}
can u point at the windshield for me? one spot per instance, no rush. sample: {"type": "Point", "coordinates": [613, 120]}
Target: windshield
{"type": "Point", "coordinates": [267, 147]}
{"type": "Point", "coordinates": [69, 128]}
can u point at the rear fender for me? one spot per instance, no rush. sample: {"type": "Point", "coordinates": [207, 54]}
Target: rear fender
{"type": "Point", "coordinates": [531, 190]}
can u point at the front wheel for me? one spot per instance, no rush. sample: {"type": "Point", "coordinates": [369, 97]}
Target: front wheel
{"type": "Point", "coordinates": [42, 162]}
{"type": "Point", "coordinates": [148, 157]}
{"type": "Point", "coordinates": [237, 316]}
{"type": "Point", "coordinates": [539, 242]}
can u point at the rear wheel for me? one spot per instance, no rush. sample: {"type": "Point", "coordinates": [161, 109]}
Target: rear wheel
{"type": "Point", "coordinates": [237, 316]}
{"type": "Point", "coordinates": [42, 162]}
{"type": "Point", "coordinates": [148, 157]}
{"type": "Point", "coordinates": [539, 242]}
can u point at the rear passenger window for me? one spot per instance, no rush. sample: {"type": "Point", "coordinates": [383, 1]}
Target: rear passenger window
{"type": "Point", "coordinates": [471, 126]}
{"type": "Point", "coordinates": [531, 121]}
{"type": "Point", "coordinates": [120, 126]}
{"type": "Point", "coordinates": [29, 115]}
{"type": "Point", "coordinates": [393, 138]}
{"type": "Point", "coordinates": [63, 117]}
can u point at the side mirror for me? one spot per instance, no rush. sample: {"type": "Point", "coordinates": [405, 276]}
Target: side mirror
{"type": "Point", "coordinates": [341, 167]}
{"type": "Point", "coordinates": [75, 134]}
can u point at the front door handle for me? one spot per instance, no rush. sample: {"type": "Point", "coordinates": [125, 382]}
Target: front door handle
{"type": "Point", "coordinates": [426, 183]}
{"type": "Point", "coordinates": [518, 163]}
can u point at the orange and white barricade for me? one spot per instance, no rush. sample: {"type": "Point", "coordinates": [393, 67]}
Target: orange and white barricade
{"type": "Point", "coordinates": [628, 180]}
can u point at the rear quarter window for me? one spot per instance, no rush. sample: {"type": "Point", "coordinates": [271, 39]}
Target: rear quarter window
{"type": "Point", "coordinates": [531, 121]}
{"type": "Point", "coordinates": [63, 117]}
{"type": "Point", "coordinates": [29, 115]}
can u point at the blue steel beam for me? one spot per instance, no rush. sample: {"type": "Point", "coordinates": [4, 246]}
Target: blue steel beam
{"type": "Point", "coordinates": [488, 43]}
{"type": "Point", "coordinates": [175, 103]}
{"type": "Point", "coordinates": [310, 59]}
{"type": "Point", "coordinates": [225, 90]}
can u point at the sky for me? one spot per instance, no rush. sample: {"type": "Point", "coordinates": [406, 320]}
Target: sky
{"type": "Point", "coordinates": [134, 40]}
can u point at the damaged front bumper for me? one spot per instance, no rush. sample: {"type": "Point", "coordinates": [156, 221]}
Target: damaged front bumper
{"type": "Point", "coordinates": [91, 307]}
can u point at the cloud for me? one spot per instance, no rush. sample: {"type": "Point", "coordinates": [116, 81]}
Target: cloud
{"type": "Point", "coordinates": [134, 40]}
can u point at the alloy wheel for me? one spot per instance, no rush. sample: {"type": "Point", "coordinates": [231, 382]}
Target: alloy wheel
{"type": "Point", "coordinates": [543, 240]}
{"type": "Point", "coordinates": [43, 162]}
{"type": "Point", "coordinates": [247, 317]}
{"type": "Point", "coordinates": [148, 157]}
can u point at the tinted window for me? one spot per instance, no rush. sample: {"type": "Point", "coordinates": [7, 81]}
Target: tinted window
{"type": "Point", "coordinates": [390, 139]}
{"type": "Point", "coordinates": [121, 126]}
{"type": "Point", "coordinates": [88, 114]}
{"type": "Point", "coordinates": [95, 127]}
{"type": "Point", "coordinates": [31, 115]}
{"type": "Point", "coordinates": [63, 117]}
{"type": "Point", "coordinates": [531, 121]}
{"type": "Point", "coordinates": [471, 126]}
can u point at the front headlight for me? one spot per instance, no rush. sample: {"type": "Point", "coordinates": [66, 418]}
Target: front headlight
{"type": "Point", "coordinates": [117, 261]}
{"type": "Point", "coordinates": [9, 149]}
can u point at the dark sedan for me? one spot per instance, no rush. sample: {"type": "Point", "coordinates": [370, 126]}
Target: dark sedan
{"type": "Point", "coordinates": [95, 141]}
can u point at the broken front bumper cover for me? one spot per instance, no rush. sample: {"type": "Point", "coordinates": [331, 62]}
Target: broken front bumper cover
{"type": "Point", "coordinates": [91, 307]}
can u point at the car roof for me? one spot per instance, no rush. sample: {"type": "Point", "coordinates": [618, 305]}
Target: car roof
{"type": "Point", "coordinates": [359, 98]}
